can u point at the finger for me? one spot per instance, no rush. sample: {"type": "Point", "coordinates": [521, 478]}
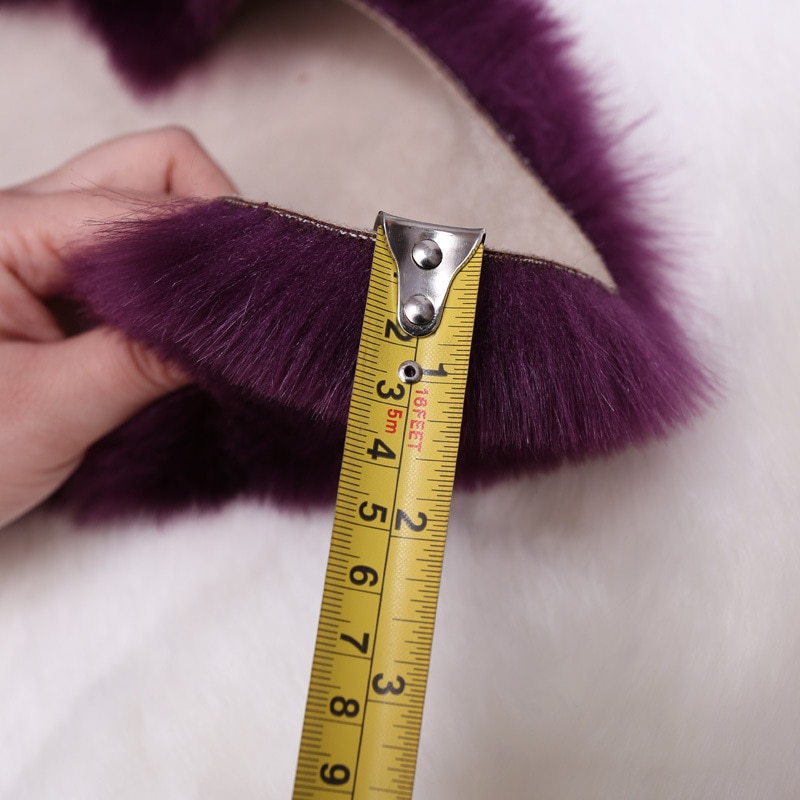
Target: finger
{"type": "Point", "coordinates": [86, 386]}
{"type": "Point", "coordinates": [22, 316]}
{"type": "Point", "coordinates": [167, 161]}
{"type": "Point", "coordinates": [38, 230]}
{"type": "Point", "coordinates": [116, 179]}
{"type": "Point", "coordinates": [60, 398]}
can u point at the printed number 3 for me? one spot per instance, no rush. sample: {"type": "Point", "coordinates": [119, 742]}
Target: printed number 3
{"type": "Point", "coordinates": [397, 686]}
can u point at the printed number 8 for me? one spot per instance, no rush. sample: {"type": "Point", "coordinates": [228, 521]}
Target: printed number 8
{"type": "Point", "coordinates": [342, 707]}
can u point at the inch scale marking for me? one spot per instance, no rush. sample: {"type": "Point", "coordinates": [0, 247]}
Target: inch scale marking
{"type": "Point", "coordinates": [370, 668]}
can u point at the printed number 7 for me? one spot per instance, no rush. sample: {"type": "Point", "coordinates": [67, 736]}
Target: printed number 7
{"type": "Point", "coordinates": [361, 646]}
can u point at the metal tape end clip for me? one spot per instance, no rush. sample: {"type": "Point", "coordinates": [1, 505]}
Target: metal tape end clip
{"type": "Point", "coordinates": [428, 258]}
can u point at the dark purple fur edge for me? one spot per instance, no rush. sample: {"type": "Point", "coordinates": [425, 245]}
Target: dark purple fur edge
{"type": "Point", "coordinates": [150, 42]}
{"type": "Point", "coordinates": [582, 371]}
{"type": "Point", "coordinates": [561, 367]}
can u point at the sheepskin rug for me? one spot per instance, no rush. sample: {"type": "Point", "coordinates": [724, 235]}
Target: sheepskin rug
{"type": "Point", "coordinates": [622, 629]}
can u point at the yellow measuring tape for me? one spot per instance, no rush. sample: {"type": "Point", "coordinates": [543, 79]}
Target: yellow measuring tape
{"type": "Point", "coordinates": [364, 711]}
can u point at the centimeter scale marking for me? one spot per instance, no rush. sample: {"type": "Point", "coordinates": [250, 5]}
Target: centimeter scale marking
{"type": "Point", "coordinates": [370, 669]}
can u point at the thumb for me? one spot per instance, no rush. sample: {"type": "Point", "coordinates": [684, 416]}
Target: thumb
{"type": "Point", "coordinates": [96, 382]}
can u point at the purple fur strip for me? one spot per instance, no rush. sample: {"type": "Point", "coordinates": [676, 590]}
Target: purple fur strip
{"type": "Point", "coordinates": [249, 299]}
{"type": "Point", "coordinates": [151, 42]}
{"type": "Point", "coordinates": [241, 296]}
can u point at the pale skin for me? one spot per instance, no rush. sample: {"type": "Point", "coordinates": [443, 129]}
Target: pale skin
{"type": "Point", "coordinates": [59, 394]}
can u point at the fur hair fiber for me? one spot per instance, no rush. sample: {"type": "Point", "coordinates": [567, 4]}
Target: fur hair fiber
{"type": "Point", "coordinates": [250, 300]}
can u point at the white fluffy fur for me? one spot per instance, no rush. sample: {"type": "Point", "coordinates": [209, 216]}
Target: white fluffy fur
{"type": "Point", "coordinates": [627, 629]}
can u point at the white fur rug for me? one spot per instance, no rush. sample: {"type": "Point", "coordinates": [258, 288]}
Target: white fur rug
{"type": "Point", "coordinates": [626, 629]}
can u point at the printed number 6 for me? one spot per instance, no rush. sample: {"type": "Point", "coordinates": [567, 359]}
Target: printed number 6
{"type": "Point", "coordinates": [359, 575]}
{"type": "Point", "coordinates": [335, 775]}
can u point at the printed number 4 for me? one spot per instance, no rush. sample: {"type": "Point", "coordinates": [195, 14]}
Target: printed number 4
{"type": "Point", "coordinates": [380, 449]}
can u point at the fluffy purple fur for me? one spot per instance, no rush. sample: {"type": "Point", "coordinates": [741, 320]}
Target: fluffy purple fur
{"type": "Point", "coordinates": [561, 368]}
{"type": "Point", "coordinates": [151, 41]}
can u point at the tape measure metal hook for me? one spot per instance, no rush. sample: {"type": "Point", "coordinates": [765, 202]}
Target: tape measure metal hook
{"type": "Point", "coordinates": [428, 259]}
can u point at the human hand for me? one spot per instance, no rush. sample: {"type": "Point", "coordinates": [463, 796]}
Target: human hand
{"type": "Point", "coordinates": [59, 394]}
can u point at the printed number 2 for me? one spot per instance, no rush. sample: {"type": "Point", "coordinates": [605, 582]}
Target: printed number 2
{"type": "Point", "coordinates": [402, 517]}
{"type": "Point", "coordinates": [392, 329]}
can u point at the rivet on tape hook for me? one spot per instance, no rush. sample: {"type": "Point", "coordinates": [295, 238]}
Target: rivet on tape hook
{"type": "Point", "coordinates": [427, 260]}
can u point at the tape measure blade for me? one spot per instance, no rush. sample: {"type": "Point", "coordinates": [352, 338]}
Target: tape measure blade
{"type": "Point", "coordinates": [369, 674]}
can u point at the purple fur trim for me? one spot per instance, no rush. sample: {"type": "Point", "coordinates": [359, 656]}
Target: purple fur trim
{"type": "Point", "coordinates": [151, 42]}
{"type": "Point", "coordinates": [561, 368]}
